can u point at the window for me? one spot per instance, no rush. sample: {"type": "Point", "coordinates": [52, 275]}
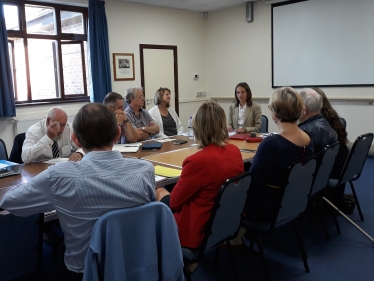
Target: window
{"type": "Point", "coordinates": [48, 51]}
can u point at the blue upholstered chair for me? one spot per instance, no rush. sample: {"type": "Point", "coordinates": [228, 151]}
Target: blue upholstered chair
{"type": "Point", "coordinates": [3, 152]}
{"type": "Point", "coordinates": [224, 222]}
{"type": "Point", "coordinates": [293, 203]}
{"type": "Point", "coordinates": [138, 243]}
{"type": "Point", "coordinates": [264, 124]}
{"type": "Point", "coordinates": [21, 245]}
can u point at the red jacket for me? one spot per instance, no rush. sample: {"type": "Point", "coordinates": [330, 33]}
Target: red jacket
{"type": "Point", "coordinates": [193, 196]}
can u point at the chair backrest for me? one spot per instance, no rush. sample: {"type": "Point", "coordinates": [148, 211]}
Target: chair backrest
{"type": "Point", "coordinates": [20, 245]}
{"type": "Point", "coordinates": [264, 124]}
{"type": "Point", "coordinates": [296, 193]}
{"type": "Point", "coordinates": [344, 123]}
{"type": "Point", "coordinates": [15, 154]}
{"type": "Point", "coordinates": [227, 211]}
{"type": "Point", "coordinates": [356, 158]}
{"type": "Point", "coordinates": [325, 165]}
{"type": "Point", "coordinates": [125, 240]}
{"type": "Point", "coordinates": [3, 152]}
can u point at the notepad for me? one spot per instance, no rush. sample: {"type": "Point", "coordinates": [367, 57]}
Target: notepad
{"type": "Point", "coordinates": [167, 172]}
{"type": "Point", "coordinates": [127, 147]}
{"type": "Point", "coordinates": [56, 160]}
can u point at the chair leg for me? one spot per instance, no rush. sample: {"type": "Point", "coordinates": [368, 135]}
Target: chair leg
{"type": "Point", "coordinates": [358, 204]}
{"type": "Point", "coordinates": [187, 272]}
{"type": "Point", "coordinates": [318, 206]}
{"type": "Point", "coordinates": [262, 253]}
{"type": "Point", "coordinates": [232, 260]}
{"type": "Point", "coordinates": [337, 226]}
{"type": "Point", "coordinates": [302, 247]}
{"type": "Point", "coordinates": [216, 257]}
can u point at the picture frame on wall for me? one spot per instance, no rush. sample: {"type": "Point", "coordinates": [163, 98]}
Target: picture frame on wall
{"type": "Point", "coordinates": [123, 67]}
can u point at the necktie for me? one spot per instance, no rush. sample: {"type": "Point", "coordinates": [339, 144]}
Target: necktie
{"type": "Point", "coordinates": [55, 150]}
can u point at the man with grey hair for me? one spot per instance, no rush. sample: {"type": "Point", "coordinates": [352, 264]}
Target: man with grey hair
{"type": "Point", "coordinates": [313, 122]}
{"type": "Point", "coordinates": [140, 119]}
{"type": "Point", "coordinates": [50, 138]}
{"type": "Point", "coordinates": [114, 102]}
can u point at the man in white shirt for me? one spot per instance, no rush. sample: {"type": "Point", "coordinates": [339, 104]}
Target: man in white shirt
{"type": "Point", "coordinates": [50, 138]}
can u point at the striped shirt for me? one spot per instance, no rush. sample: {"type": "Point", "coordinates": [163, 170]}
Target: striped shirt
{"type": "Point", "coordinates": [138, 121]}
{"type": "Point", "coordinates": [81, 192]}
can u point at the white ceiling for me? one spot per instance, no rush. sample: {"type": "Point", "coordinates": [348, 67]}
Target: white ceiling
{"type": "Point", "coordinates": [192, 5]}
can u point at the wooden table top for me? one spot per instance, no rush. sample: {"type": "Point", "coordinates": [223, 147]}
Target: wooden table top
{"type": "Point", "coordinates": [169, 155]}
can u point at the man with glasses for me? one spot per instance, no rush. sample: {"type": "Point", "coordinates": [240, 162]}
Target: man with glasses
{"type": "Point", "coordinates": [50, 138]}
{"type": "Point", "coordinates": [145, 127]}
{"type": "Point", "coordinates": [114, 102]}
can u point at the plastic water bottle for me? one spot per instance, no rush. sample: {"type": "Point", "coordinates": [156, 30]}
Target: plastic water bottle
{"type": "Point", "coordinates": [190, 130]}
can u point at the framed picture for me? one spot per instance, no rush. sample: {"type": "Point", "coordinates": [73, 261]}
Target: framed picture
{"type": "Point", "coordinates": [123, 67]}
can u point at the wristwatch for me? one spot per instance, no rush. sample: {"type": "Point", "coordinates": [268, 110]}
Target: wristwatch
{"type": "Point", "coordinates": [127, 120]}
{"type": "Point", "coordinates": [143, 129]}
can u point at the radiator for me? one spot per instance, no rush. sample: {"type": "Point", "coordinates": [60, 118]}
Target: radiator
{"type": "Point", "coordinates": [21, 125]}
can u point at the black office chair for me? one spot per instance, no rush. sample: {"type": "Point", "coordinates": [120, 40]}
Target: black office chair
{"type": "Point", "coordinates": [3, 152]}
{"type": "Point", "coordinates": [21, 244]}
{"type": "Point", "coordinates": [324, 169]}
{"type": "Point", "coordinates": [354, 165]}
{"type": "Point", "coordinates": [264, 124]}
{"type": "Point", "coordinates": [15, 154]}
{"type": "Point", "coordinates": [344, 123]}
{"type": "Point", "coordinates": [224, 222]}
{"type": "Point", "coordinates": [293, 204]}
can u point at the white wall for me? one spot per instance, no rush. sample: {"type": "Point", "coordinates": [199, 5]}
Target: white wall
{"type": "Point", "coordinates": [223, 49]}
{"type": "Point", "coordinates": [240, 51]}
{"type": "Point", "coordinates": [132, 24]}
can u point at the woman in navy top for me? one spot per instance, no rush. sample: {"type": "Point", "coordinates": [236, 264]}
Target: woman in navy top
{"type": "Point", "coordinates": [275, 154]}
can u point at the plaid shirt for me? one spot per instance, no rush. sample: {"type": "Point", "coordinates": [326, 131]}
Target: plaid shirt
{"type": "Point", "coordinates": [138, 121]}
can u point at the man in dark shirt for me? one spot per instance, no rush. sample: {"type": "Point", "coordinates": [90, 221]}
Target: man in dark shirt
{"type": "Point", "coordinates": [312, 121]}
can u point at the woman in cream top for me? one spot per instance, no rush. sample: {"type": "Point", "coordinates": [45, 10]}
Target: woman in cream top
{"type": "Point", "coordinates": [165, 116]}
{"type": "Point", "coordinates": [244, 114]}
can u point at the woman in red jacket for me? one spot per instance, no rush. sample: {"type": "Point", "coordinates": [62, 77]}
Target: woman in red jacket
{"type": "Point", "coordinates": [202, 175]}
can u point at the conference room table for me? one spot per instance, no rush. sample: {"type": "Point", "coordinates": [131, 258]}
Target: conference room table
{"type": "Point", "coordinates": [170, 155]}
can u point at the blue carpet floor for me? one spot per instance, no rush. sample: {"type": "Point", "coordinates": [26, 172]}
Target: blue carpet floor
{"type": "Point", "coordinates": [348, 256]}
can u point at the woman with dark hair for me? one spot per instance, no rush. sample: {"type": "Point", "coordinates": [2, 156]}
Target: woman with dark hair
{"type": "Point", "coordinates": [193, 196]}
{"type": "Point", "coordinates": [244, 114]}
{"type": "Point", "coordinates": [332, 117]}
{"type": "Point", "coordinates": [165, 116]}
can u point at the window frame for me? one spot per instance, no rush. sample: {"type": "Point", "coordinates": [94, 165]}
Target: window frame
{"type": "Point", "coordinates": [60, 38]}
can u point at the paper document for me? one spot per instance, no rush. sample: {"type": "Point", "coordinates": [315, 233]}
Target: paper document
{"type": "Point", "coordinates": [232, 133]}
{"type": "Point", "coordinates": [127, 147]}
{"type": "Point", "coordinates": [56, 160]}
{"type": "Point", "coordinates": [159, 178]}
{"type": "Point", "coordinates": [167, 172]}
{"type": "Point", "coordinates": [164, 140]}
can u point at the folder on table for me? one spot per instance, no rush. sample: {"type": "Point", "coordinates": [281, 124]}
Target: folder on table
{"type": "Point", "coordinates": [127, 147]}
{"type": "Point", "coordinates": [167, 172]}
{"type": "Point", "coordinates": [8, 168]}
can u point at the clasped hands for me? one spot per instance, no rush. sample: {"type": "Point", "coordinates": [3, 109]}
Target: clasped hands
{"type": "Point", "coordinates": [238, 130]}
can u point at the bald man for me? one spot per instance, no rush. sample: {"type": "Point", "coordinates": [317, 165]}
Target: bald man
{"type": "Point", "coordinates": [50, 138]}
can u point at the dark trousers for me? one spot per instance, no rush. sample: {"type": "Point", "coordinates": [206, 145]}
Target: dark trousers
{"type": "Point", "coordinates": [66, 274]}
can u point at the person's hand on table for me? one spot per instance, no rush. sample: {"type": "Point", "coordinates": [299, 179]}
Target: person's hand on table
{"type": "Point", "coordinates": [241, 130]}
{"type": "Point", "coordinates": [229, 128]}
{"type": "Point", "coordinates": [76, 157]}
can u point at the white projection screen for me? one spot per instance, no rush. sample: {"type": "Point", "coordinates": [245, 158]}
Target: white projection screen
{"type": "Point", "coordinates": [323, 43]}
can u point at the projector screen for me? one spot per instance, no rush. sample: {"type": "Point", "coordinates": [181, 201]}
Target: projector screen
{"type": "Point", "coordinates": [323, 43]}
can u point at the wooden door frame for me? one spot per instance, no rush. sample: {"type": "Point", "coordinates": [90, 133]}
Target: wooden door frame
{"type": "Point", "coordinates": [175, 55]}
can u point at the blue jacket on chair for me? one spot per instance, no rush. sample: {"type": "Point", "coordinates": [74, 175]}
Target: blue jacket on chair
{"type": "Point", "coordinates": [139, 243]}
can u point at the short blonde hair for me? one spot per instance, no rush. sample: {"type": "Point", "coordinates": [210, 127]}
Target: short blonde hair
{"type": "Point", "coordinates": [159, 95]}
{"type": "Point", "coordinates": [287, 104]}
{"type": "Point", "coordinates": [209, 125]}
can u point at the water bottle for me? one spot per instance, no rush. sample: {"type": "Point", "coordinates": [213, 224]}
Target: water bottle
{"type": "Point", "coordinates": [190, 130]}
